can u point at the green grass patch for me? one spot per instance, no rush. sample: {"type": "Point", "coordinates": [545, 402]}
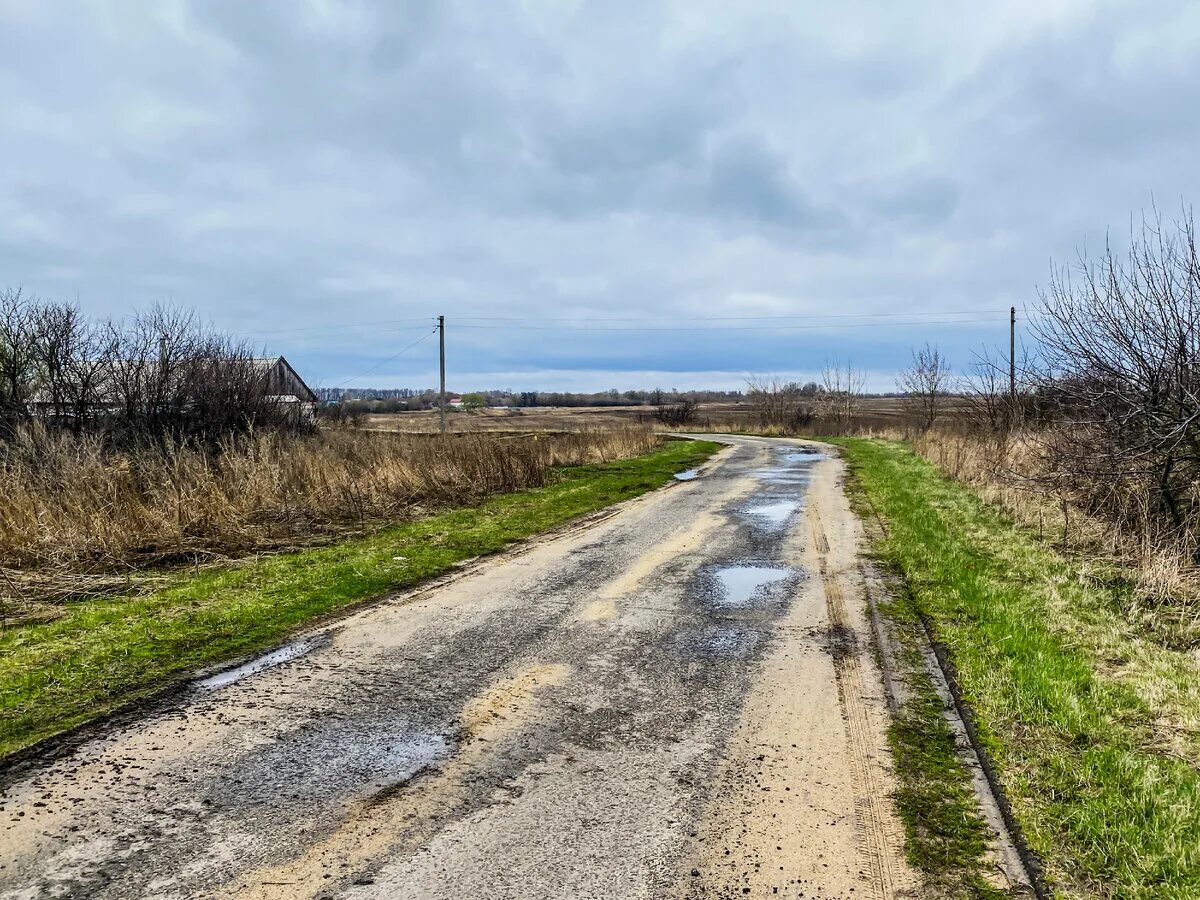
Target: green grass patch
{"type": "Point", "coordinates": [946, 837]}
{"type": "Point", "coordinates": [1109, 813]}
{"type": "Point", "coordinates": [107, 652]}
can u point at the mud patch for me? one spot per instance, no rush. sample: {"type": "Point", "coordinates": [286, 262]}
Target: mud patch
{"type": "Point", "coordinates": [284, 654]}
{"type": "Point", "coordinates": [839, 642]}
{"type": "Point", "coordinates": [723, 641]}
{"type": "Point", "coordinates": [331, 758]}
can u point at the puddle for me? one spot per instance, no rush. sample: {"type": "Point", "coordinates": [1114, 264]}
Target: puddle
{"type": "Point", "coordinates": [258, 664]}
{"type": "Point", "coordinates": [805, 456]}
{"type": "Point", "coordinates": [739, 585]}
{"type": "Point", "coordinates": [776, 513]}
{"type": "Point", "coordinates": [784, 476]}
{"type": "Point", "coordinates": [687, 475]}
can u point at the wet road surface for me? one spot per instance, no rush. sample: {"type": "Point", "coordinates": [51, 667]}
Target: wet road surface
{"type": "Point", "coordinates": [677, 701]}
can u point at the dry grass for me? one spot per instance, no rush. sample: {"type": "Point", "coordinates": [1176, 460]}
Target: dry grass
{"type": "Point", "coordinates": [76, 518]}
{"type": "Point", "coordinates": [1160, 583]}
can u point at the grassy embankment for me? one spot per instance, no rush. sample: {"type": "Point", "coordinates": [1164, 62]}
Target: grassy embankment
{"type": "Point", "coordinates": [1089, 722]}
{"type": "Point", "coordinates": [108, 651]}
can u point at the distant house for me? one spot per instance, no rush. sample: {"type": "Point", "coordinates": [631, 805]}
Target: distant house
{"type": "Point", "coordinates": [455, 402]}
{"type": "Point", "coordinates": [285, 386]}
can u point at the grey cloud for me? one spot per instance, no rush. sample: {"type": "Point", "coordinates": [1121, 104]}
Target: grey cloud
{"type": "Point", "coordinates": [748, 181]}
{"type": "Point", "coordinates": [370, 161]}
{"type": "Point", "coordinates": [924, 200]}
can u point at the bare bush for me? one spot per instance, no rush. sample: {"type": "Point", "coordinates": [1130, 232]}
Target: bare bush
{"type": "Point", "coordinates": [677, 415]}
{"type": "Point", "coordinates": [925, 385]}
{"type": "Point", "coordinates": [1121, 344]}
{"type": "Point", "coordinates": [781, 406]}
{"type": "Point", "coordinates": [160, 377]}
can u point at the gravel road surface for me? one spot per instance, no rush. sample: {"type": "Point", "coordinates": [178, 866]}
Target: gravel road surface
{"type": "Point", "coordinates": [678, 700]}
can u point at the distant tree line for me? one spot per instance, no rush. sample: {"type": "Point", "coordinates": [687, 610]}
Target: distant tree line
{"type": "Point", "coordinates": [404, 399]}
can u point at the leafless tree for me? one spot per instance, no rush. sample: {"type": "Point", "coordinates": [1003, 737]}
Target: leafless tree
{"type": "Point", "coordinates": [1121, 344]}
{"type": "Point", "coordinates": [780, 404]}
{"type": "Point", "coordinates": [841, 392]}
{"type": "Point", "coordinates": [18, 359]}
{"type": "Point", "coordinates": [925, 385]}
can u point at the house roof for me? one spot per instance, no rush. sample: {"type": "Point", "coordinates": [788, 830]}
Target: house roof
{"type": "Point", "coordinates": [282, 378]}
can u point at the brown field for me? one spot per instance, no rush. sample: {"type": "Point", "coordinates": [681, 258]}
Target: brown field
{"type": "Point", "coordinates": [875, 413]}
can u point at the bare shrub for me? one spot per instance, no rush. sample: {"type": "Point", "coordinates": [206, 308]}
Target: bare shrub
{"type": "Point", "coordinates": [161, 377]}
{"type": "Point", "coordinates": [677, 415]}
{"type": "Point", "coordinates": [781, 406]}
{"type": "Point", "coordinates": [1121, 344]}
{"type": "Point", "coordinates": [925, 385]}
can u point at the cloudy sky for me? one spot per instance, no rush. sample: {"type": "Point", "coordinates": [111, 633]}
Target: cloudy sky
{"type": "Point", "coordinates": [596, 194]}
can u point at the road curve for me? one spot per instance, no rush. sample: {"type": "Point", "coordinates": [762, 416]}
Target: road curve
{"type": "Point", "coordinates": [678, 701]}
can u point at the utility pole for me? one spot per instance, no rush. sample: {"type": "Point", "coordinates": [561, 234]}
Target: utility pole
{"type": "Point", "coordinates": [1012, 364]}
{"type": "Point", "coordinates": [442, 367]}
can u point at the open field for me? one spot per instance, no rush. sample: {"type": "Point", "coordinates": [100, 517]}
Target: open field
{"type": "Point", "coordinates": [101, 653]}
{"type": "Point", "coordinates": [875, 412]}
{"type": "Point", "coordinates": [1092, 725]}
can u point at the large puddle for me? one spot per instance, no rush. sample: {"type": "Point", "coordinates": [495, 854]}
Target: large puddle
{"type": "Point", "coordinates": [773, 513]}
{"type": "Point", "coordinates": [804, 456]}
{"type": "Point", "coordinates": [792, 466]}
{"type": "Point", "coordinates": [742, 585]}
{"type": "Point", "coordinates": [258, 664]}
{"type": "Point", "coordinates": [687, 475]}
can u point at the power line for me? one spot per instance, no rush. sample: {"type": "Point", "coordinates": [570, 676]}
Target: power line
{"type": "Point", "coordinates": [728, 328]}
{"type": "Point", "coordinates": [691, 318]}
{"type": "Point", "coordinates": [404, 323]}
{"type": "Point", "coordinates": [918, 317]}
{"type": "Point", "coordinates": [384, 362]}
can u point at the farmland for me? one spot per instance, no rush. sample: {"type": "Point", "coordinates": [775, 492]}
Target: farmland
{"type": "Point", "coordinates": [875, 413]}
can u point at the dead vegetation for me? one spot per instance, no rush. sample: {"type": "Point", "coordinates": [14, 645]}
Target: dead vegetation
{"type": "Point", "coordinates": [78, 516]}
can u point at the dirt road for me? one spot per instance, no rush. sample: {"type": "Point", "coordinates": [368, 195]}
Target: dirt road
{"type": "Point", "coordinates": [678, 701]}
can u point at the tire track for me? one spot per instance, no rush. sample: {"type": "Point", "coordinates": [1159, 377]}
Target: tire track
{"type": "Point", "coordinates": [871, 800]}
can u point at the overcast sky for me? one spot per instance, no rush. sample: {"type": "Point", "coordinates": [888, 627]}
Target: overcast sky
{"type": "Point", "coordinates": [324, 177]}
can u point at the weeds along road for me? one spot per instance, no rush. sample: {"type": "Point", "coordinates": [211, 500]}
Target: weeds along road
{"type": "Point", "coordinates": [679, 701]}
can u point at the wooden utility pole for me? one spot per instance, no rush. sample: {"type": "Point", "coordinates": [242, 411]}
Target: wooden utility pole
{"type": "Point", "coordinates": [1012, 364]}
{"type": "Point", "coordinates": [442, 368]}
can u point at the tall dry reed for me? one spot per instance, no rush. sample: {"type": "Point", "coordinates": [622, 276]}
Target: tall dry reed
{"type": "Point", "coordinates": [69, 508]}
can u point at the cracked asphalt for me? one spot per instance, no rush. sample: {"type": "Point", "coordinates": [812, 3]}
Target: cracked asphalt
{"type": "Point", "coordinates": [679, 700]}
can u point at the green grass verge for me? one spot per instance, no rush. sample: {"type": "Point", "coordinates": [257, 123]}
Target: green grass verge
{"type": "Point", "coordinates": [1107, 811]}
{"type": "Point", "coordinates": [946, 837]}
{"type": "Point", "coordinates": [107, 652]}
